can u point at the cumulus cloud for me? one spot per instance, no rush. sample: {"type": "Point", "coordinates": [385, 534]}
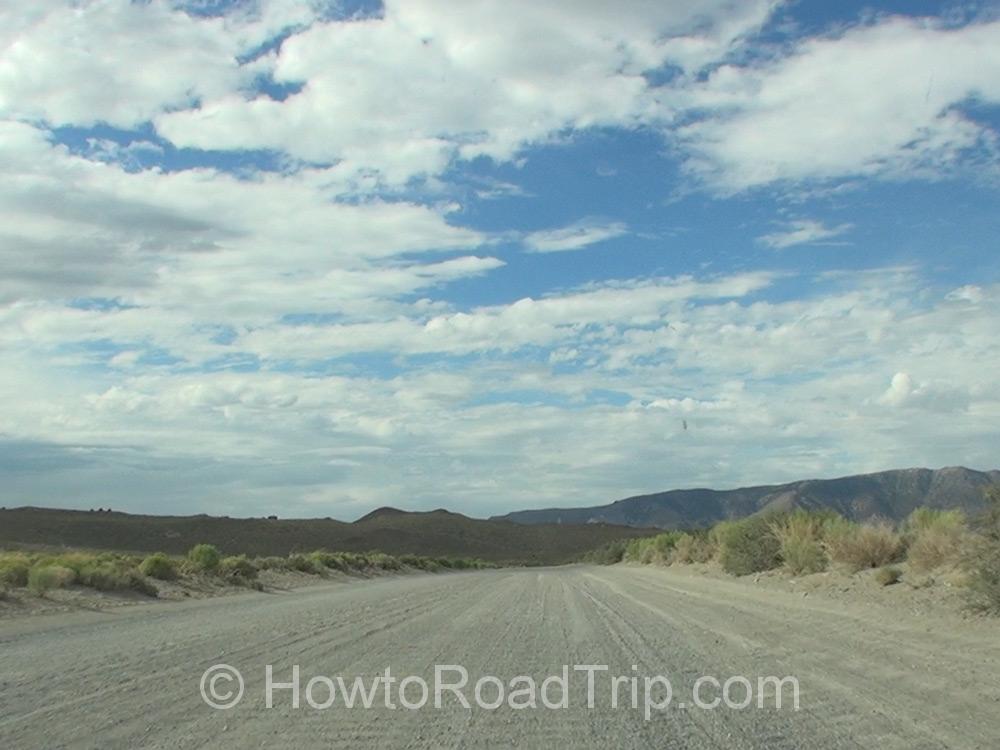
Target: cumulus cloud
{"type": "Point", "coordinates": [74, 227]}
{"type": "Point", "coordinates": [802, 232]}
{"type": "Point", "coordinates": [428, 80]}
{"type": "Point", "coordinates": [881, 99]}
{"type": "Point", "coordinates": [899, 390]}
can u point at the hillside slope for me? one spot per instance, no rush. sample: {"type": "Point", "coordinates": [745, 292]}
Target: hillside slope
{"type": "Point", "coordinates": [434, 534]}
{"type": "Point", "coordinates": [887, 494]}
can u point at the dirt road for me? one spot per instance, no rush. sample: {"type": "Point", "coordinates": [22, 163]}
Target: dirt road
{"type": "Point", "coordinates": [868, 677]}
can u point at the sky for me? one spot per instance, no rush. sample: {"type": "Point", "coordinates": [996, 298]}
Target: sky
{"type": "Point", "coordinates": [315, 258]}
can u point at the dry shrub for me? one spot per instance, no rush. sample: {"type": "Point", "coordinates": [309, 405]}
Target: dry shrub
{"type": "Point", "coordinates": [14, 569]}
{"type": "Point", "coordinates": [799, 536]}
{"type": "Point", "coordinates": [692, 549]}
{"type": "Point", "coordinates": [41, 578]}
{"type": "Point", "coordinates": [237, 568]}
{"type": "Point", "coordinates": [888, 575]}
{"type": "Point", "coordinates": [981, 559]}
{"type": "Point", "coordinates": [862, 546]}
{"type": "Point", "coordinates": [936, 538]}
{"type": "Point", "coordinates": [159, 566]}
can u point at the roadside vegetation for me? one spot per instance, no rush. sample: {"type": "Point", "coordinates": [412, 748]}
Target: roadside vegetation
{"type": "Point", "coordinates": [805, 542]}
{"type": "Point", "coordinates": [980, 559]}
{"type": "Point", "coordinates": [39, 573]}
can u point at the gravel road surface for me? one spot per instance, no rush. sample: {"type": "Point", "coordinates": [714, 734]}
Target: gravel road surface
{"type": "Point", "coordinates": [868, 677]}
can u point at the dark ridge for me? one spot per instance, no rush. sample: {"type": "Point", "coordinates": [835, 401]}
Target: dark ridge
{"type": "Point", "coordinates": [892, 495]}
{"type": "Point", "coordinates": [380, 512]}
{"type": "Point", "coordinates": [431, 534]}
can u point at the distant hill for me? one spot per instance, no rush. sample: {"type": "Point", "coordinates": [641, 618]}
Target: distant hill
{"type": "Point", "coordinates": [436, 533]}
{"type": "Point", "coordinates": [887, 494]}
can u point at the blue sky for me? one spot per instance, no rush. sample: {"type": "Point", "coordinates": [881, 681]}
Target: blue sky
{"type": "Point", "coordinates": [314, 258]}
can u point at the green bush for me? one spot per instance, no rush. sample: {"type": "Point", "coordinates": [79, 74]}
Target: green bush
{"type": "Point", "coordinates": [304, 564]}
{"type": "Point", "coordinates": [748, 545]}
{"type": "Point", "coordinates": [799, 536]}
{"type": "Point", "coordinates": [238, 568]}
{"type": "Point", "coordinates": [382, 561]}
{"type": "Point", "coordinates": [663, 544]}
{"type": "Point", "coordinates": [204, 557]}
{"type": "Point", "coordinates": [159, 566]}
{"type": "Point", "coordinates": [888, 575]}
{"type": "Point", "coordinates": [75, 561]}
{"type": "Point", "coordinates": [14, 570]}
{"type": "Point", "coordinates": [322, 559]}
{"type": "Point", "coordinates": [42, 578]}
{"type": "Point", "coordinates": [610, 554]}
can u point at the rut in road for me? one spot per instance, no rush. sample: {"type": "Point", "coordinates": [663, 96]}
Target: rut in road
{"type": "Point", "coordinates": [131, 679]}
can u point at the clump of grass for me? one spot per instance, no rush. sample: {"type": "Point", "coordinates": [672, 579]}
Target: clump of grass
{"type": "Point", "coordinates": [800, 541]}
{"type": "Point", "coordinates": [14, 569]}
{"type": "Point", "coordinates": [691, 548]}
{"type": "Point", "coordinates": [651, 549]}
{"type": "Point", "coordinates": [75, 561]}
{"type": "Point", "coordinates": [608, 554]}
{"type": "Point", "coordinates": [238, 569]}
{"type": "Point", "coordinates": [115, 576]}
{"type": "Point", "coordinates": [981, 559]}
{"type": "Point", "coordinates": [936, 538]}
{"type": "Point", "coordinates": [304, 564]}
{"type": "Point", "coordinates": [42, 578]}
{"type": "Point", "coordinates": [204, 557]}
{"type": "Point", "coordinates": [862, 546]}
{"type": "Point", "coordinates": [332, 560]}
{"type": "Point", "coordinates": [355, 560]}
{"type": "Point", "coordinates": [888, 575]}
{"type": "Point", "coordinates": [748, 545]}
{"type": "Point", "coordinates": [382, 561]}
{"type": "Point", "coordinates": [420, 563]}
{"type": "Point", "coordinates": [272, 563]}
{"type": "Point", "coordinates": [159, 566]}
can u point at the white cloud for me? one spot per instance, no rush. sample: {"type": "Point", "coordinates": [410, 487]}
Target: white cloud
{"type": "Point", "coordinates": [802, 381]}
{"type": "Point", "coordinates": [112, 61]}
{"type": "Point", "coordinates": [898, 391]}
{"type": "Point", "coordinates": [590, 313]}
{"type": "Point", "coordinates": [429, 80]}
{"type": "Point", "coordinates": [803, 232]}
{"type": "Point", "coordinates": [877, 100]}
{"type": "Point", "coordinates": [225, 374]}
{"type": "Point", "coordinates": [574, 237]}
{"type": "Point", "coordinates": [72, 227]}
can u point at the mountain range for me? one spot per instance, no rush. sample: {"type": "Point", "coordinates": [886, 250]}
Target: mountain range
{"type": "Point", "coordinates": [892, 495]}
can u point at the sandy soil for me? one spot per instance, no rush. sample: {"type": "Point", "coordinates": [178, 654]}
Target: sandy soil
{"type": "Point", "coordinates": [19, 603]}
{"type": "Point", "coordinates": [870, 676]}
{"type": "Point", "coordinates": [919, 593]}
